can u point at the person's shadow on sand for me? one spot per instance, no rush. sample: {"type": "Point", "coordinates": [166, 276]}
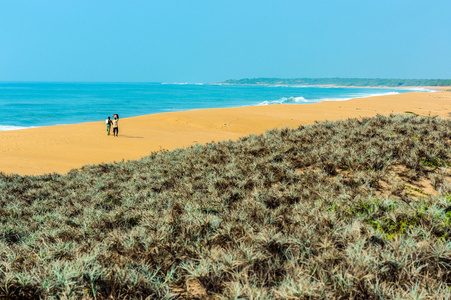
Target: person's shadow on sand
{"type": "Point", "coordinates": [132, 137]}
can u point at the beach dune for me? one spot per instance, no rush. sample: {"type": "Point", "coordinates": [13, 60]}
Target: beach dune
{"type": "Point", "coordinates": [61, 148]}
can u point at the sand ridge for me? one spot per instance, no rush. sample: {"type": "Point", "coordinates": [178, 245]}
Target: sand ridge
{"type": "Point", "coordinates": [64, 147]}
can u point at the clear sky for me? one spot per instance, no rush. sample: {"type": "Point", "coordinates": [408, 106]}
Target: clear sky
{"type": "Point", "coordinates": [214, 40]}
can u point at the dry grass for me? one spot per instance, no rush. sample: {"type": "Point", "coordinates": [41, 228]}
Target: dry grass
{"type": "Point", "coordinates": [356, 209]}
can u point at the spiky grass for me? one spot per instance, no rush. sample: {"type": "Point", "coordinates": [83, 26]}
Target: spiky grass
{"type": "Point", "coordinates": [346, 209]}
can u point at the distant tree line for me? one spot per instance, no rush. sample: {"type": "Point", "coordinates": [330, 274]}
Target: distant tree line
{"type": "Point", "coordinates": [344, 81]}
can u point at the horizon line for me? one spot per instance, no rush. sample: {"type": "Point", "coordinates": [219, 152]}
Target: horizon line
{"type": "Point", "coordinates": [186, 82]}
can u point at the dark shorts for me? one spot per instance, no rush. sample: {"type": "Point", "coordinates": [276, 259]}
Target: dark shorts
{"type": "Point", "coordinates": [115, 130]}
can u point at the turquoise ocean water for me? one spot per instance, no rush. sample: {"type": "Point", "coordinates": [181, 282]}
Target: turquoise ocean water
{"type": "Point", "coordinates": [24, 105]}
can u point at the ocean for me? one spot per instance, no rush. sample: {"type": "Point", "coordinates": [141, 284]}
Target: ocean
{"type": "Point", "coordinates": [25, 105]}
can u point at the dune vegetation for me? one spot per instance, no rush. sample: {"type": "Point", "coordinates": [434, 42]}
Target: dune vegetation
{"type": "Point", "coordinates": [363, 82]}
{"type": "Point", "coordinates": [354, 209]}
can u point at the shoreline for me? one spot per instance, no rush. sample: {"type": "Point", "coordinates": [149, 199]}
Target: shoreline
{"type": "Point", "coordinates": [60, 148]}
{"type": "Point", "coordinates": [425, 89]}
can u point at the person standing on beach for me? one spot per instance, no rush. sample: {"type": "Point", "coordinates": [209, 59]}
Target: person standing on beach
{"type": "Point", "coordinates": [108, 125]}
{"type": "Point", "coordinates": [115, 125]}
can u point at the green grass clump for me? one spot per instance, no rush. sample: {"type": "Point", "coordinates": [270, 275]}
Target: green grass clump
{"type": "Point", "coordinates": [347, 209]}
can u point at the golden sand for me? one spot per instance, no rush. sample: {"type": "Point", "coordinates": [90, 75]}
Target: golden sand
{"type": "Point", "coordinates": [62, 148]}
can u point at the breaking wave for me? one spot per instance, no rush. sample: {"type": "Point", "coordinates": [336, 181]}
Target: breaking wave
{"type": "Point", "coordinates": [298, 100]}
{"type": "Point", "coordinates": [11, 127]}
{"type": "Point", "coordinates": [285, 100]}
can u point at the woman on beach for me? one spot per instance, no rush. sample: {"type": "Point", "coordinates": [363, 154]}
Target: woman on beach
{"type": "Point", "coordinates": [108, 125]}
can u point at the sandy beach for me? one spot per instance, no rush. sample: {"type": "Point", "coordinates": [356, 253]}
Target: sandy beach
{"type": "Point", "coordinates": [61, 148]}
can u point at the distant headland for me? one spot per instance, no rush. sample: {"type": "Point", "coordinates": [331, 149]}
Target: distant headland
{"type": "Point", "coordinates": [351, 82]}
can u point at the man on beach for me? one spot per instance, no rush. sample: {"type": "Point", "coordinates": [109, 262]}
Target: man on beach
{"type": "Point", "coordinates": [115, 125]}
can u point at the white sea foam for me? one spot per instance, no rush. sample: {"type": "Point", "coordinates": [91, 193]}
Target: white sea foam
{"type": "Point", "coordinates": [183, 83]}
{"type": "Point", "coordinates": [11, 127]}
{"type": "Point", "coordinates": [285, 100]}
{"type": "Point", "coordinates": [356, 96]}
{"type": "Point", "coordinates": [288, 85]}
{"type": "Point", "coordinates": [288, 100]}
{"type": "Point", "coordinates": [177, 83]}
{"type": "Point", "coordinates": [423, 90]}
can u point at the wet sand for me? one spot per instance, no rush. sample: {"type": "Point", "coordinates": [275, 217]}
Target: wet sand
{"type": "Point", "coordinates": [61, 148]}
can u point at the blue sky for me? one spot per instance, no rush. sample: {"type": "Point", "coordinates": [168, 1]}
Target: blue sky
{"type": "Point", "coordinates": [215, 40]}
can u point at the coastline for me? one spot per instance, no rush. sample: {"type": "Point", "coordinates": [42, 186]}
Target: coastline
{"type": "Point", "coordinates": [60, 148]}
{"type": "Point", "coordinates": [433, 88]}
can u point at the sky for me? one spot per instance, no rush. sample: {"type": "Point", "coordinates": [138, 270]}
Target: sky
{"type": "Point", "coordinates": [215, 40]}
